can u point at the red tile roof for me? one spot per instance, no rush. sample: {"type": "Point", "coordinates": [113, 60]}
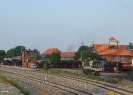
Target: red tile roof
{"type": "Point", "coordinates": [103, 49]}
{"type": "Point", "coordinates": [67, 54]}
{"type": "Point", "coordinates": [50, 51]}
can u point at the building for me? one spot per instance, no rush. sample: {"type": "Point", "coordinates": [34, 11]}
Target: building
{"type": "Point", "coordinates": [113, 52]}
{"type": "Point", "coordinates": [50, 51]}
{"type": "Point", "coordinates": [12, 58]}
{"type": "Point", "coordinates": [67, 55]}
{"type": "Point", "coordinates": [64, 55]}
{"type": "Point", "coordinates": [28, 58]}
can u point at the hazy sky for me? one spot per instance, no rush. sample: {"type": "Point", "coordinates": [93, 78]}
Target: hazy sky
{"type": "Point", "coordinates": [64, 24]}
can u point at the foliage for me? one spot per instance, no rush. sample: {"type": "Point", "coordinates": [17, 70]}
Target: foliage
{"type": "Point", "coordinates": [55, 58]}
{"type": "Point", "coordinates": [25, 92]}
{"type": "Point", "coordinates": [47, 56]}
{"type": "Point", "coordinates": [45, 66]}
{"type": "Point", "coordinates": [94, 55]}
{"type": "Point", "coordinates": [16, 51]}
{"type": "Point", "coordinates": [87, 61]}
{"type": "Point", "coordinates": [130, 45]}
{"type": "Point", "coordinates": [2, 54]}
{"type": "Point", "coordinates": [83, 50]}
{"type": "Point", "coordinates": [37, 54]}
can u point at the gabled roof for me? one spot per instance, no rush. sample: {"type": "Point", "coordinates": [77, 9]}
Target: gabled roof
{"type": "Point", "coordinates": [103, 49]}
{"type": "Point", "coordinates": [50, 51]}
{"type": "Point", "coordinates": [67, 54]}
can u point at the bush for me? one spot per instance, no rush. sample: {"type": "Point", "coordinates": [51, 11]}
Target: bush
{"type": "Point", "coordinates": [45, 66]}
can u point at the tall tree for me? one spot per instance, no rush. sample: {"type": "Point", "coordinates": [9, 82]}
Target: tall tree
{"type": "Point", "coordinates": [82, 51]}
{"type": "Point", "coordinates": [2, 54]}
{"type": "Point", "coordinates": [55, 58]}
{"type": "Point", "coordinates": [37, 54]}
{"type": "Point", "coordinates": [94, 55]}
{"type": "Point", "coordinates": [47, 56]}
{"type": "Point", "coordinates": [16, 51]}
{"type": "Point", "coordinates": [130, 45]}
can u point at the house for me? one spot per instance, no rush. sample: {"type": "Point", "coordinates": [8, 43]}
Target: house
{"type": "Point", "coordinates": [64, 55]}
{"type": "Point", "coordinates": [113, 52]}
{"type": "Point", "coordinates": [67, 55]}
{"type": "Point", "coordinates": [50, 51]}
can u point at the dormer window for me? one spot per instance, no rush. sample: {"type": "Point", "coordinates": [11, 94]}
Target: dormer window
{"type": "Point", "coordinates": [113, 47]}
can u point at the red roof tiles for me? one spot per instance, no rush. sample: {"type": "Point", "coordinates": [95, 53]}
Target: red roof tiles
{"type": "Point", "coordinates": [67, 54]}
{"type": "Point", "coordinates": [103, 49]}
{"type": "Point", "coordinates": [50, 51]}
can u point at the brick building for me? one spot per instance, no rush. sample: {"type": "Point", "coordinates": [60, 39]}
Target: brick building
{"type": "Point", "coordinates": [28, 58]}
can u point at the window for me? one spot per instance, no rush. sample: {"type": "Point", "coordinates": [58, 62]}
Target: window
{"type": "Point", "coordinates": [113, 47]}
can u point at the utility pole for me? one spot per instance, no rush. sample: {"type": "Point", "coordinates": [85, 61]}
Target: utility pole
{"type": "Point", "coordinates": [117, 56]}
{"type": "Point", "coordinates": [81, 51]}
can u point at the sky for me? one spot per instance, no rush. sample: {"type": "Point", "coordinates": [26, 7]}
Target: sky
{"type": "Point", "coordinates": [64, 24]}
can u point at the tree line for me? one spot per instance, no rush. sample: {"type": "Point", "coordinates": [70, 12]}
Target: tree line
{"type": "Point", "coordinates": [81, 54]}
{"type": "Point", "coordinates": [16, 51]}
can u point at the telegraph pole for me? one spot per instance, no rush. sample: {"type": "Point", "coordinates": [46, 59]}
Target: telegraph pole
{"type": "Point", "coordinates": [117, 56]}
{"type": "Point", "coordinates": [81, 51]}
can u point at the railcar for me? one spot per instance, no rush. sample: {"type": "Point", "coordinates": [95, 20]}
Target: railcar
{"type": "Point", "coordinates": [67, 64]}
{"type": "Point", "coordinates": [120, 66]}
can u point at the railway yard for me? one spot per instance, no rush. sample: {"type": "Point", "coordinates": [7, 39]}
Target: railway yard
{"type": "Point", "coordinates": [45, 83]}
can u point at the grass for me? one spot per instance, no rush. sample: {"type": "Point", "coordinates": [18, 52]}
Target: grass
{"type": "Point", "coordinates": [14, 83]}
{"type": "Point", "coordinates": [98, 78]}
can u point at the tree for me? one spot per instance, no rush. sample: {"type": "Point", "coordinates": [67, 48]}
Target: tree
{"type": "Point", "coordinates": [37, 54]}
{"type": "Point", "coordinates": [15, 51]}
{"type": "Point", "coordinates": [2, 54]}
{"type": "Point", "coordinates": [130, 45]}
{"type": "Point", "coordinates": [47, 56]}
{"type": "Point", "coordinates": [55, 58]}
{"type": "Point", "coordinates": [94, 55]}
{"type": "Point", "coordinates": [83, 50]}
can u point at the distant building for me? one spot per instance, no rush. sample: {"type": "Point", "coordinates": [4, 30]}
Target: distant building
{"type": "Point", "coordinates": [12, 58]}
{"type": "Point", "coordinates": [50, 51]}
{"type": "Point", "coordinates": [28, 58]}
{"type": "Point", "coordinates": [64, 55]}
{"type": "Point", "coordinates": [67, 55]}
{"type": "Point", "coordinates": [113, 51]}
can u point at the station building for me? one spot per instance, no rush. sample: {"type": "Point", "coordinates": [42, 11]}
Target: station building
{"type": "Point", "coordinates": [113, 51]}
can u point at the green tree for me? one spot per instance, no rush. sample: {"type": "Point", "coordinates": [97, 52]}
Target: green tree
{"type": "Point", "coordinates": [15, 51]}
{"type": "Point", "coordinates": [94, 55]}
{"type": "Point", "coordinates": [37, 54]}
{"type": "Point", "coordinates": [130, 45]}
{"type": "Point", "coordinates": [83, 50]}
{"type": "Point", "coordinates": [2, 54]}
{"type": "Point", "coordinates": [55, 58]}
{"type": "Point", "coordinates": [11, 52]}
{"type": "Point", "coordinates": [47, 56]}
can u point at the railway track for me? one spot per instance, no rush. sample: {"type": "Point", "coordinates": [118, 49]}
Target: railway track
{"type": "Point", "coordinates": [108, 87]}
{"type": "Point", "coordinates": [64, 88]}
